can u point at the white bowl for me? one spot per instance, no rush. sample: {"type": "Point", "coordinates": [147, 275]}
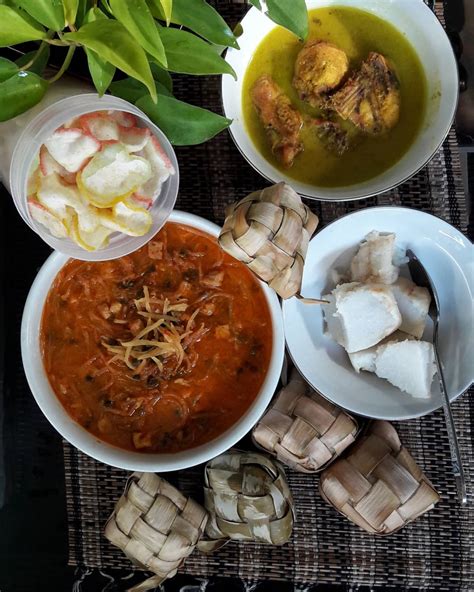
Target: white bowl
{"type": "Point", "coordinates": [421, 27]}
{"type": "Point", "coordinates": [449, 259]}
{"type": "Point", "coordinates": [107, 453]}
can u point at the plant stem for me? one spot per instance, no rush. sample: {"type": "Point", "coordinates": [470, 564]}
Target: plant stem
{"type": "Point", "coordinates": [65, 66]}
{"type": "Point", "coordinates": [59, 42]}
{"type": "Point", "coordinates": [38, 53]}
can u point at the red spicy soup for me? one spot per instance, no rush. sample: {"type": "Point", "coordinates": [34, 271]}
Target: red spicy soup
{"type": "Point", "coordinates": [161, 350]}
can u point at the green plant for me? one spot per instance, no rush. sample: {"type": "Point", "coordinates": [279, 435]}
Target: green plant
{"type": "Point", "coordinates": [145, 39]}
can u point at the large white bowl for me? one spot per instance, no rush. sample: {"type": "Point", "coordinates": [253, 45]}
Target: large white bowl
{"type": "Point", "coordinates": [449, 259]}
{"type": "Point", "coordinates": [418, 23]}
{"type": "Point", "coordinates": [107, 453]}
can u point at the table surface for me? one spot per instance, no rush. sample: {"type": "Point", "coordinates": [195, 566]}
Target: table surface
{"type": "Point", "coordinates": [33, 526]}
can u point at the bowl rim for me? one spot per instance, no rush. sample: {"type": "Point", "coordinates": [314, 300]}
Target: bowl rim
{"type": "Point", "coordinates": [103, 451]}
{"type": "Point", "coordinates": [318, 194]}
{"type": "Point", "coordinates": [407, 416]}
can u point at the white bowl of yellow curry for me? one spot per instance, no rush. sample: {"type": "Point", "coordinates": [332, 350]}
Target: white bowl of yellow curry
{"type": "Point", "coordinates": [352, 111]}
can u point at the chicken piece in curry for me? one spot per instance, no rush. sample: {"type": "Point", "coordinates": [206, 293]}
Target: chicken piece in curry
{"type": "Point", "coordinates": [371, 98]}
{"type": "Point", "coordinates": [320, 67]}
{"type": "Point", "coordinates": [281, 120]}
{"type": "Point", "coordinates": [334, 138]}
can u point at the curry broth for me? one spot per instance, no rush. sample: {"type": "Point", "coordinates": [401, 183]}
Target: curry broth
{"type": "Point", "coordinates": [157, 410]}
{"type": "Point", "coordinates": [356, 32]}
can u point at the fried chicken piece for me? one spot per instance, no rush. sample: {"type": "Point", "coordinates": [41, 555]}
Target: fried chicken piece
{"type": "Point", "coordinates": [281, 120]}
{"type": "Point", "coordinates": [320, 67]}
{"type": "Point", "coordinates": [371, 98]}
{"type": "Point", "coordinates": [333, 137]}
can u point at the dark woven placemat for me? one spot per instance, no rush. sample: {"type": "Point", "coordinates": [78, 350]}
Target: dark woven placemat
{"type": "Point", "coordinates": [434, 553]}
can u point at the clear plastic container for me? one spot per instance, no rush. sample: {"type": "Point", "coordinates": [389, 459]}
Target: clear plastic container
{"type": "Point", "coordinates": [26, 150]}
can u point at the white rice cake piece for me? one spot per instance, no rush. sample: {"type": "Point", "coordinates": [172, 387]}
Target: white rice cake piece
{"type": "Point", "coordinates": [413, 303]}
{"type": "Point", "coordinates": [333, 321]}
{"type": "Point", "coordinates": [374, 260]}
{"type": "Point", "coordinates": [409, 365]}
{"type": "Point", "coordinates": [365, 359]}
{"type": "Point", "coordinates": [359, 316]}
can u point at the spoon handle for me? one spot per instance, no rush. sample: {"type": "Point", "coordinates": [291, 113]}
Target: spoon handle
{"type": "Point", "coordinates": [452, 436]}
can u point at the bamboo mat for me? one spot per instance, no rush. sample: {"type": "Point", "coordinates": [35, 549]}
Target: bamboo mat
{"type": "Point", "coordinates": [436, 552]}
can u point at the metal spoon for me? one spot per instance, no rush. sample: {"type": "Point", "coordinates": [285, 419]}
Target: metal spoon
{"type": "Point", "coordinates": [421, 277]}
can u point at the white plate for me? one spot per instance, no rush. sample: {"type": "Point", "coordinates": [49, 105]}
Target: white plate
{"type": "Point", "coordinates": [418, 23]}
{"type": "Point", "coordinates": [101, 450]}
{"type": "Point", "coordinates": [449, 259]}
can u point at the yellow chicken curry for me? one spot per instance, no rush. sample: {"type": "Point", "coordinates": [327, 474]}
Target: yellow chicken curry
{"type": "Point", "coordinates": [342, 107]}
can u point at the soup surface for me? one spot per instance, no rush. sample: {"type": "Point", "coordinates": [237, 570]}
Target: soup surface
{"type": "Point", "coordinates": [161, 350]}
{"type": "Point", "coordinates": [358, 33]}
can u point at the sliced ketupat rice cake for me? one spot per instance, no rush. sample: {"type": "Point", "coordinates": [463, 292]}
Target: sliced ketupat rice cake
{"type": "Point", "coordinates": [365, 359]}
{"type": "Point", "coordinates": [409, 365]}
{"type": "Point", "coordinates": [413, 303]}
{"type": "Point", "coordinates": [374, 259]}
{"type": "Point", "coordinates": [361, 315]}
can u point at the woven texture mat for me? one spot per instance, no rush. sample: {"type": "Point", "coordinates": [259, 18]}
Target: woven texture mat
{"type": "Point", "coordinates": [434, 553]}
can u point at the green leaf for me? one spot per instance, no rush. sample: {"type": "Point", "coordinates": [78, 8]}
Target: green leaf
{"type": "Point", "coordinates": [256, 3]}
{"type": "Point", "coordinates": [101, 71]}
{"type": "Point", "coordinates": [93, 15]}
{"type": "Point", "coordinates": [187, 54]}
{"type": "Point", "coordinates": [81, 12]}
{"type": "Point", "coordinates": [17, 27]}
{"type": "Point", "coordinates": [201, 18]}
{"type": "Point", "coordinates": [136, 17]}
{"type": "Point", "coordinates": [238, 30]}
{"type": "Point", "coordinates": [128, 89]}
{"type": "Point", "coordinates": [162, 76]}
{"type": "Point", "coordinates": [106, 5]}
{"type": "Point", "coordinates": [7, 69]}
{"type": "Point", "coordinates": [291, 14]}
{"type": "Point", "coordinates": [49, 13]}
{"type": "Point", "coordinates": [70, 10]}
{"type": "Point", "coordinates": [131, 90]}
{"type": "Point", "coordinates": [41, 58]}
{"type": "Point", "coordinates": [167, 6]}
{"type": "Point", "coordinates": [162, 90]}
{"type": "Point", "coordinates": [113, 43]}
{"type": "Point", "coordinates": [19, 93]}
{"type": "Point", "coordinates": [183, 124]}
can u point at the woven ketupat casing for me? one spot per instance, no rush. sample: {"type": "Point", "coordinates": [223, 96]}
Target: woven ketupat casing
{"type": "Point", "coordinates": [304, 430]}
{"type": "Point", "coordinates": [269, 231]}
{"type": "Point", "coordinates": [248, 498]}
{"type": "Point", "coordinates": [156, 526]}
{"type": "Point", "coordinates": [377, 484]}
